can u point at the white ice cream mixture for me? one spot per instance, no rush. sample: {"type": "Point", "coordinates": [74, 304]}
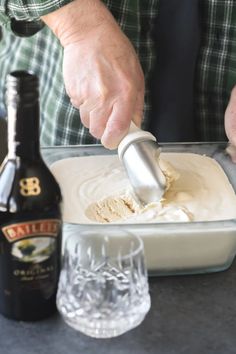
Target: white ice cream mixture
{"type": "Point", "coordinates": [96, 189]}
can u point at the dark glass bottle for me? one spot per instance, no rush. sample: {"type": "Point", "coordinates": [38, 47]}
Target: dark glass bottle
{"type": "Point", "coordinates": [30, 217]}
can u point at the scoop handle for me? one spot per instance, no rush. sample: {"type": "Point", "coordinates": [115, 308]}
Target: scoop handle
{"type": "Point", "coordinates": [133, 128]}
{"type": "Point", "coordinates": [134, 134]}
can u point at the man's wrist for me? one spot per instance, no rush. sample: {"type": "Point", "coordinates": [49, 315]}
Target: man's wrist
{"type": "Point", "coordinates": [75, 20]}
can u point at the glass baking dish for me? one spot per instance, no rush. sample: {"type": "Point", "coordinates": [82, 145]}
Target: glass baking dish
{"type": "Point", "coordinates": [173, 248]}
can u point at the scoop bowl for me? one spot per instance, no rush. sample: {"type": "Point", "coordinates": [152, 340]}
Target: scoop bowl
{"type": "Point", "coordinates": [139, 153]}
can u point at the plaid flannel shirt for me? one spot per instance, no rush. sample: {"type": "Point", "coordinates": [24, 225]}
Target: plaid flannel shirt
{"type": "Point", "coordinates": [43, 54]}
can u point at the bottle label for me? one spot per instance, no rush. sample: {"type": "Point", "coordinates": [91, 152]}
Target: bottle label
{"type": "Point", "coordinates": [49, 227]}
{"type": "Point", "coordinates": [32, 241]}
{"type": "Point", "coordinates": [34, 250]}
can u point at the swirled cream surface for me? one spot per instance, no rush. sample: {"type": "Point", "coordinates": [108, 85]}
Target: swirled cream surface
{"type": "Point", "coordinates": [96, 189]}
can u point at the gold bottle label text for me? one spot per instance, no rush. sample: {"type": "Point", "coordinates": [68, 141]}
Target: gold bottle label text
{"type": "Point", "coordinates": [48, 227]}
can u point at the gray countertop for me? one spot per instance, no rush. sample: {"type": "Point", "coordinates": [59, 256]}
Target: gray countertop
{"type": "Point", "coordinates": [189, 314]}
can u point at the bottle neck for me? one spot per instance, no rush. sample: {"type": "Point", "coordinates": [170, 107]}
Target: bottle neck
{"type": "Point", "coordinates": [23, 131]}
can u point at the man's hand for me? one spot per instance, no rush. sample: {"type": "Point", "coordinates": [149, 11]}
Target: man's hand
{"type": "Point", "coordinates": [230, 118]}
{"type": "Point", "coordinates": [230, 124]}
{"type": "Point", "coordinates": [102, 73]}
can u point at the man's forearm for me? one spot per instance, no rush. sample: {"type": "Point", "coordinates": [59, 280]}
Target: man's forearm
{"type": "Point", "coordinates": [74, 21]}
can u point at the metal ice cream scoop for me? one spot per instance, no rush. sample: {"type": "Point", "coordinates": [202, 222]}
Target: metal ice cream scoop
{"type": "Point", "coordinates": [139, 153]}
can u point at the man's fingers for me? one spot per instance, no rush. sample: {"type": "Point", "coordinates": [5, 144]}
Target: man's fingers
{"type": "Point", "coordinates": [98, 120]}
{"type": "Point", "coordinates": [110, 121]}
{"type": "Point", "coordinates": [138, 112]}
{"type": "Point", "coordinates": [84, 115]}
{"type": "Point", "coordinates": [230, 118]}
{"type": "Point", "coordinates": [118, 123]}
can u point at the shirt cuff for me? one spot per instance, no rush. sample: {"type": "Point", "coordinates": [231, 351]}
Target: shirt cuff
{"type": "Point", "coordinates": [23, 17]}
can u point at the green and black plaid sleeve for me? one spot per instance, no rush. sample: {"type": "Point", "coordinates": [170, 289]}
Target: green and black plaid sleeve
{"type": "Point", "coordinates": [29, 10]}
{"type": "Point", "coordinates": [23, 16]}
